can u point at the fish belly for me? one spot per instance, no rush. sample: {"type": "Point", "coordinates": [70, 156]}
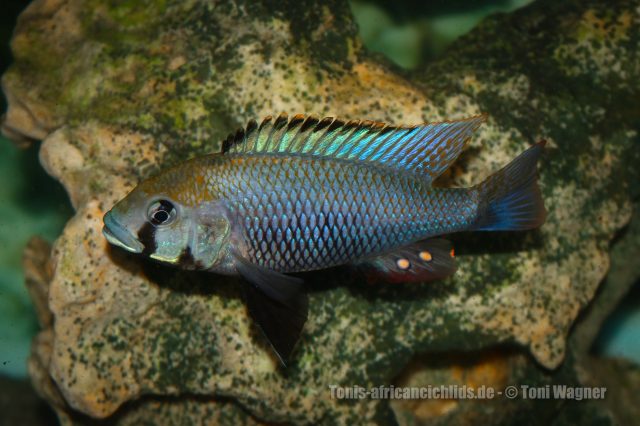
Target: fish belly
{"type": "Point", "coordinates": [296, 213]}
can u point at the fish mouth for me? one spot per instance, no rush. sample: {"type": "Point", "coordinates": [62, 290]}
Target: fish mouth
{"type": "Point", "coordinates": [117, 235]}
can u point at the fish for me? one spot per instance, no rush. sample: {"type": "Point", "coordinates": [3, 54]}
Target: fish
{"type": "Point", "coordinates": [301, 194]}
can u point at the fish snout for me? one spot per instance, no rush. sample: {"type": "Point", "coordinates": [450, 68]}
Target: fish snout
{"type": "Point", "coordinates": [119, 235]}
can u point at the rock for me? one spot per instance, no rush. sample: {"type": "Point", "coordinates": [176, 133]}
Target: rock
{"type": "Point", "coordinates": [118, 91]}
{"type": "Point", "coordinates": [38, 275]}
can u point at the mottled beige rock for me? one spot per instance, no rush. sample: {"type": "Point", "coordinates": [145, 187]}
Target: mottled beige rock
{"type": "Point", "coordinates": [117, 92]}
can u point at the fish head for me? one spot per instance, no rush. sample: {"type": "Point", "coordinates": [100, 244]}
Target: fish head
{"type": "Point", "coordinates": [166, 219]}
{"type": "Point", "coordinates": [149, 224]}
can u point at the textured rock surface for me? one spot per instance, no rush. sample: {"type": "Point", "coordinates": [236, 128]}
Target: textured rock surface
{"type": "Point", "coordinates": [119, 91]}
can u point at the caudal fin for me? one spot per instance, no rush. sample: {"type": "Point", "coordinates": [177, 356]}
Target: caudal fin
{"type": "Point", "coordinates": [510, 199]}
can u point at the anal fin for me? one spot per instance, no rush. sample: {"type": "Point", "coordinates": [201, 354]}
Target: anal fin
{"type": "Point", "coordinates": [422, 261]}
{"type": "Point", "coordinates": [278, 305]}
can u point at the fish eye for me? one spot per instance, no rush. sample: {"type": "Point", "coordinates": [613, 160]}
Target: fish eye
{"type": "Point", "coordinates": [161, 212]}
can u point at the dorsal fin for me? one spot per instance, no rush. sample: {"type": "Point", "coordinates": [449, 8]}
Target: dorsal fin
{"type": "Point", "coordinates": [426, 149]}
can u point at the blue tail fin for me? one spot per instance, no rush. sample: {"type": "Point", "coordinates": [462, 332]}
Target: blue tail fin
{"type": "Point", "coordinates": [510, 199]}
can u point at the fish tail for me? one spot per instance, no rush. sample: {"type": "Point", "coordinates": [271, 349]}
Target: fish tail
{"type": "Point", "coordinates": [510, 199]}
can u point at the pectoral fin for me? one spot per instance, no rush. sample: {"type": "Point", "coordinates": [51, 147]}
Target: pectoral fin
{"type": "Point", "coordinates": [277, 303]}
{"type": "Point", "coordinates": [422, 261]}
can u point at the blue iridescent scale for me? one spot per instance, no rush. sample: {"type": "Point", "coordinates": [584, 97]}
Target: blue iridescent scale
{"type": "Point", "coordinates": [300, 213]}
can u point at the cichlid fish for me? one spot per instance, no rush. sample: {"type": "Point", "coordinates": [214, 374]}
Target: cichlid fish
{"type": "Point", "coordinates": [302, 194]}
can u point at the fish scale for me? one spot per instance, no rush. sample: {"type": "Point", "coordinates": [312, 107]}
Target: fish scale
{"type": "Point", "coordinates": [299, 213]}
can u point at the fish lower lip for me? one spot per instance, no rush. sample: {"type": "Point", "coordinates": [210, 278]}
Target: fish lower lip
{"type": "Point", "coordinates": [118, 236]}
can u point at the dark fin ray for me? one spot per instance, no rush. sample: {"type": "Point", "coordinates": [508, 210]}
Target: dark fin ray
{"type": "Point", "coordinates": [418, 262]}
{"type": "Point", "coordinates": [510, 199]}
{"type": "Point", "coordinates": [278, 305]}
{"type": "Point", "coordinates": [427, 149]}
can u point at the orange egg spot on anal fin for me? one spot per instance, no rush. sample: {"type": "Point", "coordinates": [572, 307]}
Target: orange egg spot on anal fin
{"type": "Point", "coordinates": [403, 264]}
{"type": "Point", "coordinates": [425, 255]}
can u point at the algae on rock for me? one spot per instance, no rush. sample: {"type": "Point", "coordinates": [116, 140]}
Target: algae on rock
{"type": "Point", "coordinates": [119, 90]}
